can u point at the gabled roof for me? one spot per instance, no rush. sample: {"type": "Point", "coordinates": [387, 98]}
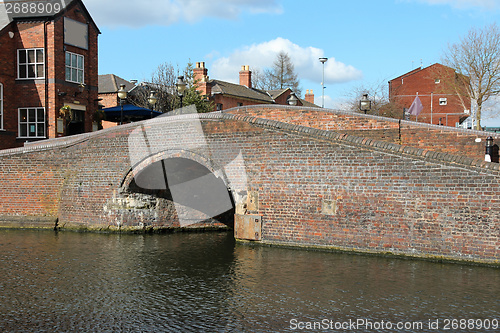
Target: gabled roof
{"type": "Point", "coordinates": [237, 90]}
{"type": "Point", "coordinates": [110, 83]}
{"type": "Point", "coordinates": [420, 69]}
{"type": "Point", "coordinates": [277, 93]}
{"type": "Point", "coordinates": [5, 19]}
{"type": "Point", "coordinates": [241, 91]}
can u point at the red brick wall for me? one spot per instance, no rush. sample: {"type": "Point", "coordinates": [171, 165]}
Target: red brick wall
{"type": "Point", "coordinates": [436, 138]}
{"type": "Point", "coordinates": [404, 89]}
{"type": "Point", "coordinates": [8, 74]}
{"type": "Point", "coordinates": [383, 197]}
{"type": "Point", "coordinates": [229, 102]}
{"type": "Point", "coordinates": [109, 100]}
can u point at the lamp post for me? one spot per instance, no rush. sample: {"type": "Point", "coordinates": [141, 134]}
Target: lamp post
{"type": "Point", "coordinates": [122, 94]}
{"type": "Point", "coordinates": [323, 60]}
{"type": "Point", "coordinates": [181, 87]}
{"type": "Point", "coordinates": [489, 149]}
{"type": "Point", "coordinates": [152, 101]}
{"type": "Point", "coordinates": [292, 100]}
{"type": "Point", "coordinates": [365, 104]}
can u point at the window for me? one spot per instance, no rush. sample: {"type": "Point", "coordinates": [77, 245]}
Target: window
{"type": "Point", "coordinates": [1, 106]}
{"type": "Point", "coordinates": [32, 123]}
{"type": "Point", "coordinates": [240, 104]}
{"type": "Point", "coordinates": [30, 64]}
{"type": "Point", "coordinates": [74, 67]}
{"type": "Point", "coordinates": [443, 101]}
{"type": "Point", "coordinates": [436, 81]}
{"type": "Point", "coordinates": [219, 107]}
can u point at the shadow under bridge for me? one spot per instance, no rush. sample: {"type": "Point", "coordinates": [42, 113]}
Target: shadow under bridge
{"type": "Point", "coordinates": [195, 192]}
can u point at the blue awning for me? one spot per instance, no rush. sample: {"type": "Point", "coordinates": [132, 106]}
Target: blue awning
{"type": "Point", "coordinates": [130, 113]}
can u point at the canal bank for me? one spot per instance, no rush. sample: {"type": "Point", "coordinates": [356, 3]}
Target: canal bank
{"type": "Point", "coordinates": [19, 225]}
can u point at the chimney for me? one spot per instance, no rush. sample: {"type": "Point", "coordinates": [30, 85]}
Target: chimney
{"type": "Point", "coordinates": [309, 97]}
{"type": "Point", "coordinates": [246, 76]}
{"type": "Point", "coordinates": [200, 76]}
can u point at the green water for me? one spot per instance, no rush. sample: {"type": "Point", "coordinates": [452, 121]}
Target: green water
{"type": "Point", "coordinates": [186, 282]}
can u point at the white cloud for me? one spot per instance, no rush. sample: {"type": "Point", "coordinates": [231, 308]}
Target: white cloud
{"type": "Point", "coordinates": [135, 13]}
{"type": "Point", "coordinates": [465, 4]}
{"type": "Point", "coordinates": [305, 60]}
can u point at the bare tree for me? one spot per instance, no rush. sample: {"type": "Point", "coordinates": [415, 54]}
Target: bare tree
{"type": "Point", "coordinates": [163, 82]}
{"type": "Point", "coordinates": [280, 76]}
{"type": "Point", "coordinates": [476, 60]}
{"type": "Point", "coordinates": [378, 95]}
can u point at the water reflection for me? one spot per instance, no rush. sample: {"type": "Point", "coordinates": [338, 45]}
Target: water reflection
{"type": "Point", "coordinates": [207, 283]}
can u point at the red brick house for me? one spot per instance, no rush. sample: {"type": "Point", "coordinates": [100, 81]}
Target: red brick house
{"type": "Point", "coordinates": [109, 84]}
{"type": "Point", "coordinates": [48, 60]}
{"type": "Point", "coordinates": [226, 95]}
{"type": "Point", "coordinates": [438, 89]}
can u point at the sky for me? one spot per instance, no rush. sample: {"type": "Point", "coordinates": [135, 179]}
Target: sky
{"type": "Point", "coordinates": [367, 42]}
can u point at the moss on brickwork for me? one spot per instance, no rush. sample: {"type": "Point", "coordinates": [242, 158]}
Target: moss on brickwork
{"type": "Point", "coordinates": [368, 252]}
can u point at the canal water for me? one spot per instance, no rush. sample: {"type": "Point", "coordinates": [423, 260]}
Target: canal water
{"type": "Point", "coordinates": [205, 282]}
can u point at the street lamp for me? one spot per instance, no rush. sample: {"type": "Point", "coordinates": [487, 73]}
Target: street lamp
{"type": "Point", "coordinates": [489, 149]}
{"type": "Point", "coordinates": [292, 100]}
{"type": "Point", "coordinates": [365, 104]}
{"type": "Point", "coordinates": [152, 101]}
{"type": "Point", "coordinates": [181, 87]}
{"type": "Point", "coordinates": [122, 94]}
{"type": "Point", "coordinates": [323, 60]}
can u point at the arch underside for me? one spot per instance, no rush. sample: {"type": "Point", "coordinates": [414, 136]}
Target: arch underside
{"type": "Point", "coordinates": [178, 192]}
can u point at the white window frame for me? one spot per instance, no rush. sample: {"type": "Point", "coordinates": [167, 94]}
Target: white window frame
{"type": "Point", "coordinates": [1, 106]}
{"type": "Point", "coordinates": [27, 64]}
{"type": "Point", "coordinates": [71, 68]}
{"type": "Point", "coordinates": [29, 123]}
{"type": "Point", "coordinates": [443, 101]}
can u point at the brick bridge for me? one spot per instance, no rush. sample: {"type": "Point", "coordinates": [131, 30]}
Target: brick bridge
{"type": "Point", "coordinates": [289, 175]}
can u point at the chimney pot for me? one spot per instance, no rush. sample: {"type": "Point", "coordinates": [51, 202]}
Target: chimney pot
{"type": "Point", "coordinates": [309, 97]}
{"type": "Point", "coordinates": [246, 76]}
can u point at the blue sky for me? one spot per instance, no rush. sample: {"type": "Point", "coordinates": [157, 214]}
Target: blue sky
{"type": "Point", "coordinates": [367, 42]}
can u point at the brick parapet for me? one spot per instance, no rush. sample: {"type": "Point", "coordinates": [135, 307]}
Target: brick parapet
{"type": "Point", "coordinates": [409, 133]}
{"type": "Point", "coordinates": [353, 140]}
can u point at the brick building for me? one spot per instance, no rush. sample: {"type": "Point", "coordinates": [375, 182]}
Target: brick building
{"type": "Point", "coordinates": [109, 84]}
{"type": "Point", "coordinates": [226, 95]}
{"type": "Point", "coordinates": [48, 60]}
{"type": "Point", "coordinates": [437, 87]}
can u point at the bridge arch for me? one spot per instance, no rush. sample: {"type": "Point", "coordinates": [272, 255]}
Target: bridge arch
{"type": "Point", "coordinates": [183, 188]}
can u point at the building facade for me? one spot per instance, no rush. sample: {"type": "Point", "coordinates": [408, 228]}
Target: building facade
{"type": "Point", "coordinates": [226, 95]}
{"type": "Point", "coordinates": [48, 73]}
{"type": "Point", "coordinates": [442, 95]}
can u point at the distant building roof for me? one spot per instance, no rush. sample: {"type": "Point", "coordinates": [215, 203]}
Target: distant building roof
{"type": "Point", "coordinates": [307, 104]}
{"type": "Point", "coordinates": [422, 69]}
{"type": "Point", "coordinates": [227, 88]}
{"type": "Point", "coordinates": [241, 91]}
{"type": "Point", "coordinates": [110, 83]}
